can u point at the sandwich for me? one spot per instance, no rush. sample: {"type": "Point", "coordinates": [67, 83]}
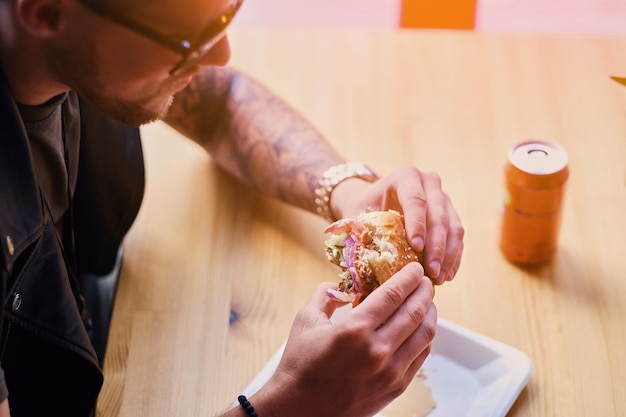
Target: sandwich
{"type": "Point", "coordinates": [369, 250]}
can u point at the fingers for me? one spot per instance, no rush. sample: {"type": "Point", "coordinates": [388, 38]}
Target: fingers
{"type": "Point", "coordinates": [417, 364]}
{"type": "Point", "coordinates": [432, 224]}
{"type": "Point", "coordinates": [412, 353]}
{"type": "Point", "coordinates": [384, 302]}
{"type": "Point", "coordinates": [437, 220]}
{"type": "Point", "coordinates": [402, 326]}
{"type": "Point", "coordinates": [410, 199]}
{"type": "Point", "coordinates": [454, 247]}
{"type": "Point", "coordinates": [320, 302]}
{"type": "Point", "coordinates": [417, 347]}
{"type": "Point", "coordinates": [403, 340]}
{"type": "Point", "coordinates": [444, 239]}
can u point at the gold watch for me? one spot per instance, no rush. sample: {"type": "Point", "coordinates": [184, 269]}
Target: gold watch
{"type": "Point", "coordinates": [332, 177]}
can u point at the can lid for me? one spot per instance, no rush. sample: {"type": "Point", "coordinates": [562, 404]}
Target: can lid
{"type": "Point", "coordinates": [538, 157]}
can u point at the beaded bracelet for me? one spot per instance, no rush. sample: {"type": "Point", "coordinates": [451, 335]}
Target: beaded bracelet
{"type": "Point", "coordinates": [245, 404]}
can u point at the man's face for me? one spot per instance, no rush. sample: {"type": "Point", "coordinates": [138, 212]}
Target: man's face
{"type": "Point", "coordinates": [125, 73]}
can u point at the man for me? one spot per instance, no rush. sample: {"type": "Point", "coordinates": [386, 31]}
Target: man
{"type": "Point", "coordinates": [76, 76]}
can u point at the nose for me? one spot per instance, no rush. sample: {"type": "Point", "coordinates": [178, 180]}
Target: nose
{"type": "Point", "coordinates": [218, 55]}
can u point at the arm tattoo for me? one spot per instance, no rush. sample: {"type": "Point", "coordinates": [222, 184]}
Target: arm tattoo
{"type": "Point", "coordinates": [253, 135]}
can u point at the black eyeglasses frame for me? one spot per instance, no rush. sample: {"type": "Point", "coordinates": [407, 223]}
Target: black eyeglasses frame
{"type": "Point", "coordinates": [190, 51]}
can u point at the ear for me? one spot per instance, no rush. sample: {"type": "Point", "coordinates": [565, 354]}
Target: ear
{"type": "Point", "coordinates": [40, 17]}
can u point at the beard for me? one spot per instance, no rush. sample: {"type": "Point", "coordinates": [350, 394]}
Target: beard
{"type": "Point", "coordinates": [132, 113]}
{"type": "Point", "coordinates": [78, 66]}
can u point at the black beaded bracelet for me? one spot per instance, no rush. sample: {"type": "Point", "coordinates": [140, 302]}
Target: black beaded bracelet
{"type": "Point", "coordinates": [245, 404]}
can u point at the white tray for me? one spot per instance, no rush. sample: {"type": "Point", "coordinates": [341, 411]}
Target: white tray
{"type": "Point", "coordinates": [470, 374]}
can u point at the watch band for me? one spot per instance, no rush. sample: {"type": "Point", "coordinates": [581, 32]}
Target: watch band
{"type": "Point", "coordinates": [332, 177]}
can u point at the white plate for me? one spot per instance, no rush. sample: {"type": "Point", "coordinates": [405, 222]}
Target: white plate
{"type": "Point", "coordinates": [470, 374]}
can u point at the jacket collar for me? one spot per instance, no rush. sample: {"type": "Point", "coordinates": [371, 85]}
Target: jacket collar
{"type": "Point", "coordinates": [21, 210]}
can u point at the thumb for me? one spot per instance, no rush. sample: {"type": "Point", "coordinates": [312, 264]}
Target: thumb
{"type": "Point", "coordinates": [320, 301]}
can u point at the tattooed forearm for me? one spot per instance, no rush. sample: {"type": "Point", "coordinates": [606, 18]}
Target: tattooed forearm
{"type": "Point", "coordinates": [253, 135]}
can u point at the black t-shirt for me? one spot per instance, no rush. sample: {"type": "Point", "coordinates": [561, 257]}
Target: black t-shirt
{"type": "Point", "coordinates": [53, 132]}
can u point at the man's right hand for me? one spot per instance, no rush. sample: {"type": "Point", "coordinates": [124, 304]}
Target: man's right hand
{"type": "Point", "coordinates": [359, 364]}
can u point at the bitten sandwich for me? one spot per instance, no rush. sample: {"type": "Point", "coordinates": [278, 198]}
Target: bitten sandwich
{"type": "Point", "coordinates": [369, 250]}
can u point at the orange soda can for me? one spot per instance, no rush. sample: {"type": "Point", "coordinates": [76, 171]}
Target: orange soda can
{"type": "Point", "coordinates": [535, 176]}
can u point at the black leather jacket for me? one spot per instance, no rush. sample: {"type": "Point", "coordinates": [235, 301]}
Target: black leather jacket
{"type": "Point", "coordinates": [50, 365]}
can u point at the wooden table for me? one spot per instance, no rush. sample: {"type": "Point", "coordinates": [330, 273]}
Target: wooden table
{"type": "Point", "coordinates": [213, 273]}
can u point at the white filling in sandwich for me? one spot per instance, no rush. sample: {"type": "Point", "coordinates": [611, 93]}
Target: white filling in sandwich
{"type": "Point", "coordinates": [368, 249]}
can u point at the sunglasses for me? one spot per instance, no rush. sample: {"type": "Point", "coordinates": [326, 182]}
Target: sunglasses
{"type": "Point", "coordinates": [191, 51]}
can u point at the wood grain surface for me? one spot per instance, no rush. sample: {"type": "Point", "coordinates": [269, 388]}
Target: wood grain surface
{"type": "Point", "coordinates": [213, 273]}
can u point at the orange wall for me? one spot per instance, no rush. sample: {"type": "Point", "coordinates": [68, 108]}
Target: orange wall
{"type": "Point", "coordinates": [452, 14]}
{"type": "Point", "coordinates": [606, 17]}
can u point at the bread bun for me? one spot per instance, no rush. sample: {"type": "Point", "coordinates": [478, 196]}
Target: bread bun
{"type": "Point", "coordinates": [369, 250]}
